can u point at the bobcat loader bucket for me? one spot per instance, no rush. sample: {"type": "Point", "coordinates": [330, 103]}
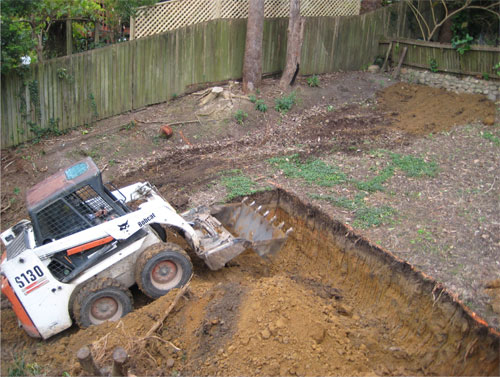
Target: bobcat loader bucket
{"type": "Point", "coordinates": [249, 226]}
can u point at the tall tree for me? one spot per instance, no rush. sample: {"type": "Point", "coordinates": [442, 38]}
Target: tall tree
{"type": "Point", "coordinates": [294, 44]}
{"type": "Point", "coordinates": [252, 64]}
{"type": "Point", "coordinates": [40, 15]}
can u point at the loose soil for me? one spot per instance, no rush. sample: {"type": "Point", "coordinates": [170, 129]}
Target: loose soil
{"type": "Point", "coordinates": [289, 316]}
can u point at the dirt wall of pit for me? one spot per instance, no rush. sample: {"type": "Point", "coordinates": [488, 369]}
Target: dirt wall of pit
{"type": "Point", "coordinates": [438, 330]}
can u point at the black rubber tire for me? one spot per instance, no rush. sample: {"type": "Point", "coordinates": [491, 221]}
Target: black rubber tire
{"type": "Point", "coordinates": [162, 260]}
{"type": "Point", "coordinates": [103, 292]}
{"type": "Point", "coordinates": [160, 231]}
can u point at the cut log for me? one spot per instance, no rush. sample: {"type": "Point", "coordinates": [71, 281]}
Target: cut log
{"type": "Point", "coordinates": [85, 359]}
{"type": "Point", "coordinates": [119, 358]}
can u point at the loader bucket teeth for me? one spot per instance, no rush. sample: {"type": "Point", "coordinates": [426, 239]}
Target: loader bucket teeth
{"type": "Point", "coordinates": [227, 230]}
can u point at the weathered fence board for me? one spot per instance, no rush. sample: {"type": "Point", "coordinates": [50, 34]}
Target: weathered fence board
{"type": "Point", "coordinates": [477, 61]}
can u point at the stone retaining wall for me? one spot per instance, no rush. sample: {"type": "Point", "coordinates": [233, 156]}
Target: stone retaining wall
{"type": "Point", "coordinates": [456, 84]}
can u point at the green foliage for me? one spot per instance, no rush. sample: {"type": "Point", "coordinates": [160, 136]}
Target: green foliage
{"type": "Point", "coordinates": [285, 103]}
{"type": "Point", "coordinates": [260, 105]}
{"type": "Point", "coordinates": [93, 105]}
{"type": "Point", "coordinates": [39, 15]}
{"type": "Point", "coordinates": [462, 45]}
{"type": "Point", "coordinates": [16, 42]}
{"type": "Point", "coordinates": [364, 216]}
{"type": "Point", "coordinates": [127, 127]}
{"type": "Point", "coordinates": [240, 116]}
{"type": "Point", "coordinates": [433, 65]}
{"type": "Point", "coordinates": [496, 68]}
{"type": "Point", "coordinates": [414, 166]}
{"type": "Point", "coordinates": [252, 98]}
{"type": "Point", "coordinates": [491, 137]}
{"type": "Point", "coordinates": [312, 171]}
{"type": "Point", "coordinates": [63, 74]}
{"type": "Point", "coordinates": [313, 81]}
{"type": "Point", "coordinates": [26, 22]}
{"type": "Point", "coordinates": [367, 217]}
{"type": "Point", "coordinates": [486, 76]}
{"type": "Point", "coordinates": [238, 184]}
{"type": "Point", "coordinates": [42, 133]}
{"type": "Point", "coordinates": [375, 184]}
{"type": "Point", "coordinates": [20, 367]}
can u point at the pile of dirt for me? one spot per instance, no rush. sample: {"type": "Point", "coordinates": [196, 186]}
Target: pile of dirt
{"type": "Point", "coordinates": [288, 315]}
{"type": "Point", "coordinates": [421, 110]}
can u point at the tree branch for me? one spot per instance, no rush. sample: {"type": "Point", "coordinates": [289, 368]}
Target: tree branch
{"type": "Point", "coordinates": [417, 14]}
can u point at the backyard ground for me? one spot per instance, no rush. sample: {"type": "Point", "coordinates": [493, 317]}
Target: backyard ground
{"type": "Point", "coordinates": [413, 168]}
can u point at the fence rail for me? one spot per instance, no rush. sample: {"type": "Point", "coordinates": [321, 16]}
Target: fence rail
{"type": "Point", "coordinates": [478, 60]}
{"type": "Point", "coordinates": [174, 14]}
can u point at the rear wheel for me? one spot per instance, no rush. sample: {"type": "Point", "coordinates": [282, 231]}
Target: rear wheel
{"type": "Point", "coordinates": [162, 267]}
{"type": "Point", "coordinates": [99, 301]}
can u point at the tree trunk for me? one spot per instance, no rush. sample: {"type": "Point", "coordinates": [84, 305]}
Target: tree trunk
{"type": "Point", "coordinates": [294, 44]}
{"type": "Point", "coordinates": [445, 32]}
{"type": "Point", "coordinates": [39, 46]}
{"type": "Point", "coordinates": [252, 64]}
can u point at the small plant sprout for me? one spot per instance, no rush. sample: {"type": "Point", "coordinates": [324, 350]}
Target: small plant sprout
{"type": "Point", "coordinates": [252, 98]}
{"type": "Point", "coordinates": [313, 81]}
{"type": "Point", "coordinates": [285, 103]}
{"type": "Point", "coordinates": [261, 105]}
{"type": "Point", "coordinates": [433, 65]}
{"type": "Point", "coordinates": [240, 116]}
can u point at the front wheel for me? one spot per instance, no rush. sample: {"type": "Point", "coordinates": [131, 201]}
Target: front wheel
{"type": "Point", "coordinates": [99, 301]}
{"type": "Point", "coordinates": [162, 267]}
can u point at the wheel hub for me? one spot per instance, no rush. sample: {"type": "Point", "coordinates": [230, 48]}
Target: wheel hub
{"type": "Point", "coordinates": [164, 272]}
{"type": "Point", "coordinates": [104, 308]}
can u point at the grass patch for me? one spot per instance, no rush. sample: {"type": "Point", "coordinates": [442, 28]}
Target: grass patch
{"type": "Point", "coordinates": [491, 137]}
{"type": "Point", "coordinates": [375, 184]}
{"type": "Point", "coordinates": [414, 166]}
{"type": "Point", "coordinates": [364, 216]}
{"type": "Point", "coordinates": [312, 171]}
{"type": "Point", "coordinates": [367, 217]}
{"type": "Point", "coordinates": [238, 184]}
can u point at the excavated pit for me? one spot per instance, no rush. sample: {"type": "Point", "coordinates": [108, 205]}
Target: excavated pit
{"type": "Point", "coordinates": [329, 303]}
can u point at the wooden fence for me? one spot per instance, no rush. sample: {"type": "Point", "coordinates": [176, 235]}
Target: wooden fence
{"type": "Point", "coordinates": [477, 61]}
{"type": "Point", "coordinates": [174, 14]}
{"type": "Point", "coordinates": [79, 89]}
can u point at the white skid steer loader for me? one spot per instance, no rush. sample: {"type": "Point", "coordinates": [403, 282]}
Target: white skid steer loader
{"type": "Point", "coordinates": [85, 246]}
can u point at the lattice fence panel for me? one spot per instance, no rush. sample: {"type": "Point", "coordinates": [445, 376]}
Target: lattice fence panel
{"type": "Point", "coordinates": [234, 9]}
{"type": "Point", "coordinates": [175, 14]}
{"type": "Point", "coordinates": [276, 8]}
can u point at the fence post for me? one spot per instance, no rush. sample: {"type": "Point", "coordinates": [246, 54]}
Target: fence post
{"type": "Point", "coordinates": [217, 9]}
{"type": "Point", "coordinates": [132, 28]}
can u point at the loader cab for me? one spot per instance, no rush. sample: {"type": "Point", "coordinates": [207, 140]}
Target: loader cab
{"type": "Point", "coordinates": [70, 201]}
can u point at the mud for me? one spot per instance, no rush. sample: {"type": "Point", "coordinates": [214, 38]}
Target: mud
{"type": "Point", "coordinates": [329, 303]}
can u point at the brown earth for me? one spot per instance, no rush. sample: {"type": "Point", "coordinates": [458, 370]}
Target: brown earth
{"type": "Point", "coordinates": [288, 316]}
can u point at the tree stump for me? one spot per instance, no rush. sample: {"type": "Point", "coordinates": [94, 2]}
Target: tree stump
{"type": "Point", "coordinates": [85, 359]}
{"type": "Point", "coordinates": [119, 358]}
